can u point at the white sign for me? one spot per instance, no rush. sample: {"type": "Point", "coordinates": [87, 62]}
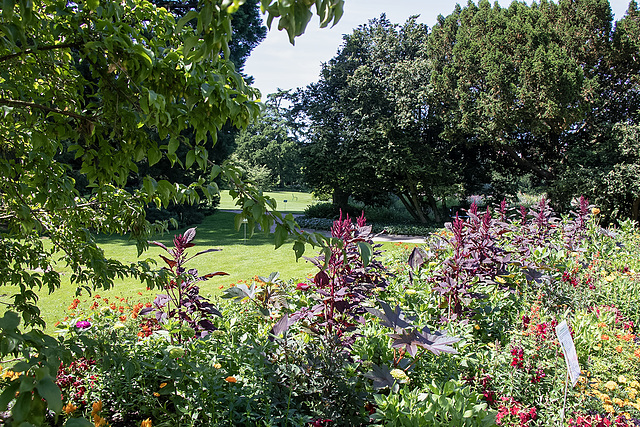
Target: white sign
{"type": "Point", "coordinates": [569, 350]}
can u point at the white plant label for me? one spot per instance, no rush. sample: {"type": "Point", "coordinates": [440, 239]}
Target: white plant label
{"type": "Point", "coordinates": [569, 350]}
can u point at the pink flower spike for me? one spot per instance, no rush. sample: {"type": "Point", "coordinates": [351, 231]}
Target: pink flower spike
{"type": "Point", "coordinates": [302, 286]}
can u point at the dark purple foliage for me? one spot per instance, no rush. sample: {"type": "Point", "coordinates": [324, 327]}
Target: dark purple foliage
{"type": "Point", "coordinates": [348, 273]}
{"type": "Point", "coordinates": [182, 300]}
{"type": "Point", "coordinates": [484, 247]}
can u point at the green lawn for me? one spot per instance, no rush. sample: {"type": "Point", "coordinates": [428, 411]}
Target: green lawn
{"type": "Point", "coordinates": [241, 260]}
{"type": "Point", "coordinates": [296, 202]}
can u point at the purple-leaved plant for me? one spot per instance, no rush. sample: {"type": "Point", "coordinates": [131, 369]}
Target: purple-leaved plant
{"type": "Point", "coordinates": [348, 274]}
{"type": "Point", "coordinates": [182, 300]}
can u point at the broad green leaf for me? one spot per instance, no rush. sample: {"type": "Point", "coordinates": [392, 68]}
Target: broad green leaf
{"type": "Point", "coordinates": [8, 394]}
{"type": "Point", "coordinates": [10, 321]}
{"type": "Point", "coordinates": [192, 14]}
{"type": "Point", "coordinates": [366, 252]}
{"type": "Point", "coordinates": [280, 235]}
{"type": "Point", "coordinates": [191, 158]}
{"type": "Point", "coordinates": [154, 155]}
{"type": "Point", "coordinates": [51, 393]}
{"type": "Point", "coordinates": [78, 422]}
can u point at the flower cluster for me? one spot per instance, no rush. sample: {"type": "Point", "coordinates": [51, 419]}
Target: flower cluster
{"type": "Point", "coordinates": [76, 379]}
{"type": "Point", "coordinates": [511, 412]}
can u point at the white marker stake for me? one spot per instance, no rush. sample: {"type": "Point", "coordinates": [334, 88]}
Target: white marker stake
{"type": "Point", "coordinates": [569, 350]}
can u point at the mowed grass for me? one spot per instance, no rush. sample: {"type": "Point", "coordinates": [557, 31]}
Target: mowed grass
{"type": "Point", "coordinates": [296, 202]}
{"type": "Point", "coordinates": [242, 260]}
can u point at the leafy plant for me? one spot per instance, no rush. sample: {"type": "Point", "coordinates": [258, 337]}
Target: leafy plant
{"type": "Point", "coordinates": [348, 275]}
{"type": "Point", "coordinates": [182, 301]}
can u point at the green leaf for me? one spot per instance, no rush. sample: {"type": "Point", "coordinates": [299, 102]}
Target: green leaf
{"type": "Point", "coordinates": [154, 155]}
{"type": "Point", "coordinates": [78, 422]}
{"type": "Point", "coordinates": [191, 157]}
{"type": "Point", "coordinates": [7, 9]}
{"type": "Point", "coordinates": [20, 410]}
{"type": "Point", "coordinates": [92, 4]}
{"type": "Point", "coordinates": [51, 393]}
{"type": "Point", "coordinates": [366, 252]}
{"type": "Point", "coordinates": [280, 235]}
{"type": "Point", "coordinates": [192, 14]}
{"type": "Point", "coordinates": [298, 248]}
{"type": "Point", "coordinates": [9, 321]}
{"type": "Point", "coordinates": [8, 394]}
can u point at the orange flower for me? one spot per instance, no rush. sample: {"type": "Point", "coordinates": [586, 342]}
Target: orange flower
{"type": "Point", "coordinates": [123, 318]}
{"type": "Point", "coordinates": [121, 309]}
{"type": "Point", "coordinates": [637, 353]}
{"type": "Point", "coordinates": [146, 423]}
{"type": "Point", "coordinates": [156, 394]}
{"type": "Point", "coordinates": [69, 408]}
{"type": "Point", "coordinates": [134, 315]}
{"type": "Point", "coordinates": [96, 407]}
{"type": "Point", "coordinates": [97, 297]}
{"type": "Point", "coordinates": [147, 304]}
{"type": "Point", "coordinates": [231, 379]}
{"type": "Point", "coordinates": [163, 385]}
{"type": "Point", "coordinates": [604, 337]}
{"type": "Point", "coordinates": [112, 306]}
{"type": "Point", "coordinates": [56, 324]}
{"type": "Point", "coordinates": [619, 349]}
{"type": "Point", "coordinates": [94, 305]}
{"type": "Point", "coordinates": [140, 293]}
{"type": "Point", "coordinates": [595, 211]}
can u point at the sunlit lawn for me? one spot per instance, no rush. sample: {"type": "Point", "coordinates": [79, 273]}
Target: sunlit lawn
{"type": "Point", "coordinates": [296, 201]}
{"type": "Point", "coordinates": [242, 260]}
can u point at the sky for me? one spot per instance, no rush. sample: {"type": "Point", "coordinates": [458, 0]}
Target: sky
{"type": "Point", "coordinates": [276, 64]}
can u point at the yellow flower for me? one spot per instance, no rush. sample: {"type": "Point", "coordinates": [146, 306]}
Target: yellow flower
{"type": "Point", "coordinates": [608, 408]}
{"type": "Point", "coordinates": [622, 379]}
{"type": "Point", "coordinates": [156, 394]}
{"type": "Point", "coordinates": [610, 278]}
{"type": "Point", "coordinates": [146, 423]}
{"type": "Point", "coordinates": [410, 291]}
{"type": "Point", "coordinates": [163, 385]}
{"type": "Point", "coordinates": [595, 211]}
{"type": "Point", "coordinates": [98, 421]}
{"type": "Point", "coordinates": [610, 385]}
{"type": "Point", "coordinates": [217, 365]}
{"type": "Point", "coordinates": [400, 375]}
{"type": "Point", "coordinates": [634, 384]}
{"type": "Point", "coordinates": [69, 408]}
{"type": "Point", "coordinates": [618, 401]}
{"type": "Point", "coordinates": [96, 407]}
{"type": "Point", "coordinates": [476, 327]}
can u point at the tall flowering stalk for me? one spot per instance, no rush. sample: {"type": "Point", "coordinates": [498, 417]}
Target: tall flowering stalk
{"type": "Point", "coordinates": [182, 300]}
{"type": "Point", "coordinates": [348, 274]}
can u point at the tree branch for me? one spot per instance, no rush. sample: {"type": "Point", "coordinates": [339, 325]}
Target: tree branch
{"type": "Point", "coordinates": [40, 49]}
{"type": "Point", "coordinates": [23, 104]}
{"type": "Point", "coordinates": [524, 162]}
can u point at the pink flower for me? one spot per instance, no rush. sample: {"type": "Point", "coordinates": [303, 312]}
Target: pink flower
{"type": "Point", "coordinates": [83, 324]}
{"type": "Point", "coordinates": [302, 286]}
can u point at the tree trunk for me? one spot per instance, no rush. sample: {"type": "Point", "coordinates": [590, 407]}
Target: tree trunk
{"type": "Point", "coordinates": [434, 208]}
{"type": "Point", "coordinates": [635, 209]}
{"type": "Point", "coordinates": [341, 199]}
{"type": "Point", "coordinates": [405, 201]}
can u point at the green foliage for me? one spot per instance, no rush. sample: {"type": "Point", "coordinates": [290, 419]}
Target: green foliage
{"type": "Point", "coordinates": [269, 151]}
{"type": "Point", "coordinates": [371, 128]}
{"type": "Point", "coordinates": [441, 405]}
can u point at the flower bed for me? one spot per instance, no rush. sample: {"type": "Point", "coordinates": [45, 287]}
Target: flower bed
{"type": "Point", "coordinates": [458, 332]}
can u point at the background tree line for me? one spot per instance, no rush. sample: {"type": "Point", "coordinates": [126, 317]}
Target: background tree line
{"type": "Point", "coordinates": [488, 96]}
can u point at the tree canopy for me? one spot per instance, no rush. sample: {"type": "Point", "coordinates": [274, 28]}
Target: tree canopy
{"type": "Point", "coordinates": [489, 94]}
{"type": "Point", "coordinates": [372, 127]}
